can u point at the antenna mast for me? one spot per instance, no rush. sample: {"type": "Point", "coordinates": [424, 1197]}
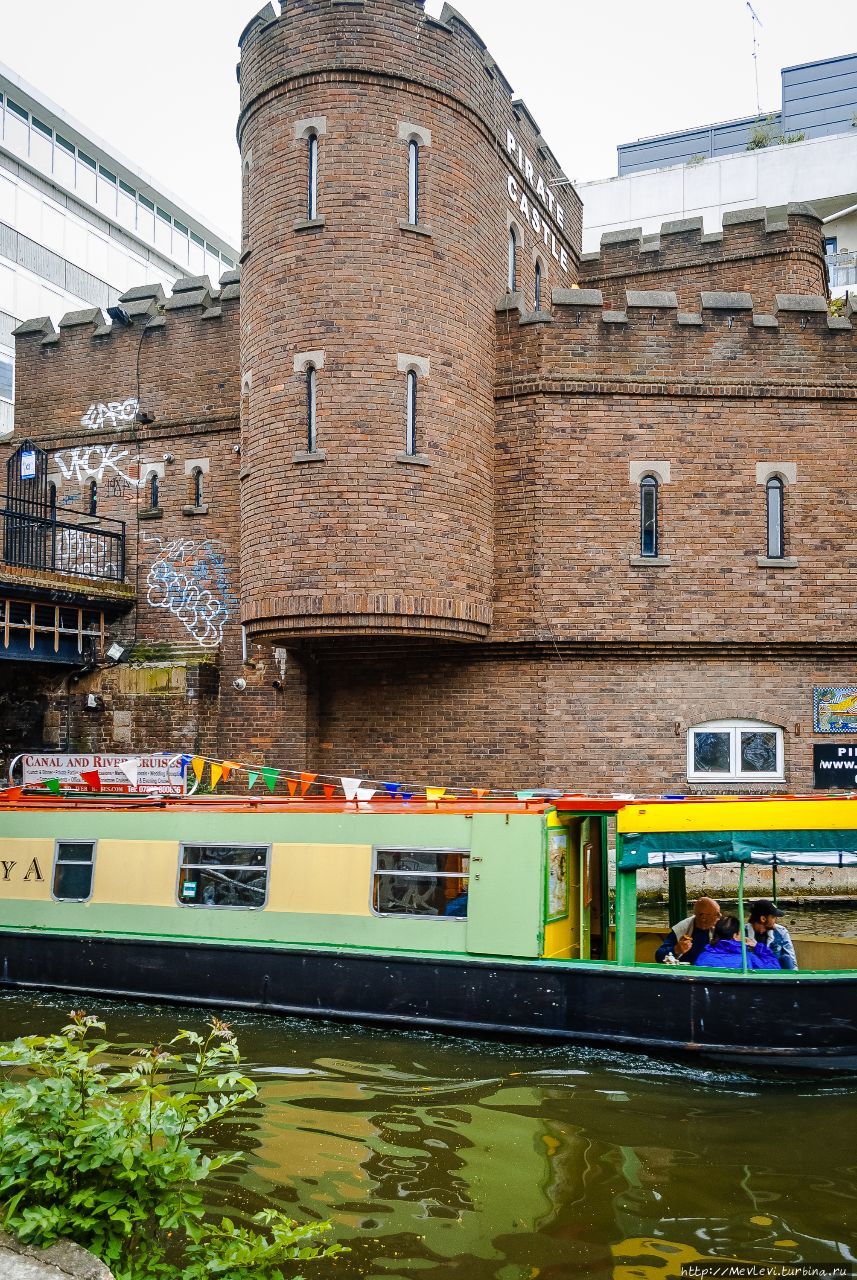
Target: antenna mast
{"type": "Point", "coordinates": [755, 22]}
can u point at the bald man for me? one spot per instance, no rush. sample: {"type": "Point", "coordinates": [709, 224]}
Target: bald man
{"type": "Point", "coordinates": [687, 939]}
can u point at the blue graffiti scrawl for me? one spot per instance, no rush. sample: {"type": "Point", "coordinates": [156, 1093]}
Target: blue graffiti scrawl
{"type": "Point", "coordinates": [190, 580]}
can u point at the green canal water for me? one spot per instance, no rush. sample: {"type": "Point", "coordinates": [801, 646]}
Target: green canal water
{"type": "Point", "coordinates": [442, 1157]}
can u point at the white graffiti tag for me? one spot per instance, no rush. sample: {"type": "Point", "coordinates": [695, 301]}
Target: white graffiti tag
{"type": "Point", "coordinates": [181, 579]}
{"type": "Point", "coordinates": [93, 461]}
{"type": "Point", "coordinates": [115, 413]}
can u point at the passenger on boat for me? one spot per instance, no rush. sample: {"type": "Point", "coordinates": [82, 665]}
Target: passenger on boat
{"type": "Point", "coordinates": [687, 939]}
{"type": "Point", "coordinates": [763, 927]}
{"type": "Point", "coordinates": [725, 951]}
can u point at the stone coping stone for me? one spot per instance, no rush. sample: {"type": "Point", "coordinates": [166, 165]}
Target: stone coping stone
{"type": "Point", "coordinates": [59, 1262]}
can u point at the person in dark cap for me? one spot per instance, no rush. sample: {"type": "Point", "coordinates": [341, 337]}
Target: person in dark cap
{"type": "Point", "coordinates": [763, 927]}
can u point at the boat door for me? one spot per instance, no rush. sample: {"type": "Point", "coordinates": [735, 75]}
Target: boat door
{"type": "Point", "coordinates": [504, 904]}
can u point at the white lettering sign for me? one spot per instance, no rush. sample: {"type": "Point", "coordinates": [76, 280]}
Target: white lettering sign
{"type": "Point", "coordinates": [526, 204]}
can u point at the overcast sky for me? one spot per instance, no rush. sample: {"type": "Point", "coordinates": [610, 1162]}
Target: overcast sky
{"type": "Point", "coordinates": [157, 80]}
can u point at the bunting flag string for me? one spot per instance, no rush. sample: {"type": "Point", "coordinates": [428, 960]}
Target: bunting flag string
{"type": "Point", "coordinates": [306, 783]}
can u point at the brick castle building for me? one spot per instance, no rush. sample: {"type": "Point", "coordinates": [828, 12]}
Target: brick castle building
{"type": "Point", "coordinates": [423, 493]}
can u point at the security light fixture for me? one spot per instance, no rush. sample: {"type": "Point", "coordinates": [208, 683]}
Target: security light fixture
{"type": "Point", "coordinates": [119, 316]}
{"type": "Point", "coordinates": [116, 652]}
{"type": "Point", "coordinates": [143, 418]}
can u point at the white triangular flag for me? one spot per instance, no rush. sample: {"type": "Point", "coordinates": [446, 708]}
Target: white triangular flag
{"type": "Point", "coordinates": [350, 786]}
{"type": "Point", "coordinates": [131, 769]}
{"type": "Point", "coordinates": [365, 793]}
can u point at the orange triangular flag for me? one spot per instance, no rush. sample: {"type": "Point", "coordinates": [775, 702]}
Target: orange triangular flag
{"type": "Point", "coordinates": [307, 779]}
{"type": "Point", "coordinates": [12, 793]}
{"type": "Point", "coordinates": [292, 784]}
{"type": "Point", "coordinates": [198, 764]}
{"type": "Point", "coordinates": [216, 774]}
{"type": "Point", "coordinates": [228, 766]}
{"type": "Point", "coordinates": [329, 790]}
{"type": "Point", "coordinates": [479, 792]}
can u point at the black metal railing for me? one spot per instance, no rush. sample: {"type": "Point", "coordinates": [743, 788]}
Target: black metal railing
{"type": "Point", "coordinates": [66, 541]}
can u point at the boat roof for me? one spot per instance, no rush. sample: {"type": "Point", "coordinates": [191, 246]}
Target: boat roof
{"type": "Point", "coordinates": [14, 799]}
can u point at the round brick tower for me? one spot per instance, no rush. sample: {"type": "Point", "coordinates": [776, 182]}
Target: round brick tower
{"type": "Point", "coordinates": [376, 146]}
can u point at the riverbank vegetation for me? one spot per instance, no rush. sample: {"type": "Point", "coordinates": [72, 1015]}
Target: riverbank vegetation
{"type": "Point", "coordinates": [111, 1154]}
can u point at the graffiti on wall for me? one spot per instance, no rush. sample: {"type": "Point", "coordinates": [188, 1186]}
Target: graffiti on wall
{"type": "Point", "coordinates": [97, 461]}
{"type": "Point", "coordinates": [190, 579]}
{"type": "Point", "coordinates": [115, 413]}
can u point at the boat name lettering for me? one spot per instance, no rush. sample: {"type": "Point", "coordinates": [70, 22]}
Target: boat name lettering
{"type": "Point", "coordinates": [34, 871]}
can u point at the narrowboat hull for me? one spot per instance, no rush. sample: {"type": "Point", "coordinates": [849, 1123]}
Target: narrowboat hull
{"type": "Point", "coordinates": [806, 1021]}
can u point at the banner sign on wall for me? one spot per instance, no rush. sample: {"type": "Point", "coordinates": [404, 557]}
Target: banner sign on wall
{"type": "Point", "coordinates": [834, 764]}
{"type": "Point", "coordinates": [835, 709]}
{"type": "Point", "coordinates": [155, 775]}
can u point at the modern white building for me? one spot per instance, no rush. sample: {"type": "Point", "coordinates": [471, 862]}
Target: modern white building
{"type": "Point", "coordinates": [80, 224]}
{"type": "Point", "coordinates": [706, 172]}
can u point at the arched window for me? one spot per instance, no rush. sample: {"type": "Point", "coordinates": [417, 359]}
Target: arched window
{"type": "Point", "coordinates": [312, 176]}
{"type": "Point", "coordinates": [92, 498]}
{"type": "Point", "coordinates": [311, 439]}
{"type": "Point", "coordinates": [196, 479]}
{"type": "Point", "coordinates": [154, 493]}
{"type": "Point", "coordinates": [411, 427]}
{"type": "Point", "coordinates": [413, 182]}
{"type": "Point", "coordinates": [538, 285]}
{"type": "Point", "coordinates": [649, 516]}
{"type": "Point", "coordinates": [774, 490]}
{"type": "Point", "coordinates": [734, 751]}
{"type": "Point", "coordinates": [512, 278]}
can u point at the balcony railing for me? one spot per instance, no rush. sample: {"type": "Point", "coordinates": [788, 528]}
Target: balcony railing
{"type": "Point", "coordinates": [67, 541]}
{"type": "Point", "coordinates": [841, 269]}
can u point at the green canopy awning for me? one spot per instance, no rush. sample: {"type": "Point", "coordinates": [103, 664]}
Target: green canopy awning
{"type": "Point", "coordinates": [835, 848]}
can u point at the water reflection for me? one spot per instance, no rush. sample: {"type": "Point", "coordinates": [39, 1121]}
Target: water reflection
{"type": "Point", "coordinates": [439, 1157]}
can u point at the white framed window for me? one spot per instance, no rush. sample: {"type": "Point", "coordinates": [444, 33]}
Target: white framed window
{"type": "Point", "coordinates": [735, 751]}
{"type": "Point", "coordinates": [73, 866]}
{"type": "Point", "coordinates": [225, 875]}
{"type": "Point", "coordinates": [420, 882]}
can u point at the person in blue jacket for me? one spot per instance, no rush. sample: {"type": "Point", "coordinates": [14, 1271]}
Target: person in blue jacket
{"type": "Point", "coordinates": [725, 950]}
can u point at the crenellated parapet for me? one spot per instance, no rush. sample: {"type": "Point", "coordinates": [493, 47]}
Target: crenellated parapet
{"type": "Point", "coordinates": [727, 344]}
{"type": "Point", "coordinates": [174, 355]}
{"type": "Point", "coordinates": [756, 251]}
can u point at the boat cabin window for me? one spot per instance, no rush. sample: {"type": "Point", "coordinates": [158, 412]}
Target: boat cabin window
{"type": "Point", "coordinates": [420, 882]}
{"type": "Point", "coordinates": [223, 875]}
{"type": "Point", "coordinates": [73, 870]}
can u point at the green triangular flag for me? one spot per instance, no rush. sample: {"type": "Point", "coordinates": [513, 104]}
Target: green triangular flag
{"type": "Point", "coordinates": [252, 778]}
{"type": "Point", "coordinates": [53, 786]}
{"type": "Point", "coordinates": [525, 795]}
{"type": "Point", "coordinates": [270, 776]}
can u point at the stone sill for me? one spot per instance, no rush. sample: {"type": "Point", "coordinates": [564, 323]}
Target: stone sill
{"type": "Point", "coordinates": [152, 513]}
{"type": "Point", "coordinates": [309, 224]}
{"type": "Point", "coordinates": [302, 455]}
{"type": "Point", "coordinates": [413, 459]}
{"type": "Point", "coordinates": [415, 228]}
{"type": "Point", "coordinates": [195, 511]}
{"type": "Point", "coordinates": [649, 562]}
{"type": "Point", "coordinates": [781, 562]}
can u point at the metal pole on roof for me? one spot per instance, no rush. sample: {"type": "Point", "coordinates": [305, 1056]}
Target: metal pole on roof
{"type": "Point", "coordinates": [741, 919]}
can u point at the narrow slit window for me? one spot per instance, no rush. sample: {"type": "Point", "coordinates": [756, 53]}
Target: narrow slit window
{"type": "Point", "coordinates": [512, 276]}
{"type": "Point", "coordinates": [73, 866]}
{"type": "Point", "coordinates": [154, 490]}
{"type": "Point", "coordinates": [649, 516]}
{"type": "Point", "coordinates": [311, 438]}
{"type": "Point", "coordinates": [413, 182]}
{"type": "Point", "coordinates": [538, 285]}
{"type": "Point", "coordinates": [776, 540]}
{"type": "Point", "coordinates": [92, 498]}
{"type": "Point", "coordinates": [197, 487]}
{"type": "Point", "coordinates": [312, 176]}
{"type": "Point", "coordinates": [411, 427]}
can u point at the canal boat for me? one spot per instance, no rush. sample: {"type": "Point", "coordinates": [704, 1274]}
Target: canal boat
{"type": "Point", "coordinates": [481, 917]}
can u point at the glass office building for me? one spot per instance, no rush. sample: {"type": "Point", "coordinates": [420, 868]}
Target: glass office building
{"type": "Point", "coordinates": [79, 224]}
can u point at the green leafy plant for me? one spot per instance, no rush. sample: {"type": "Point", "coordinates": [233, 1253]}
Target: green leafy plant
{"type": "Point", "coordinates": [106, 1154]}
{"type": "Point", "coordinates": [765, 134]}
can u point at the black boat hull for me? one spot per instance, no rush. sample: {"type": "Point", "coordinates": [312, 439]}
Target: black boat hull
{"type": "Point", "coordinates": [801, 1020]}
